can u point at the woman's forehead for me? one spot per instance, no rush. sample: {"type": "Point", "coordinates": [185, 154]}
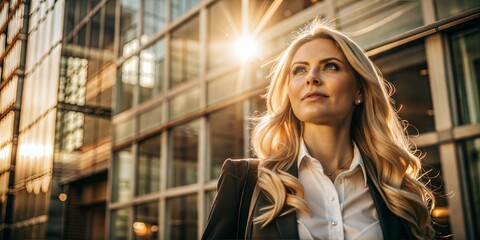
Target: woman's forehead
{"type": "Point", "coordinates": [318, 48]}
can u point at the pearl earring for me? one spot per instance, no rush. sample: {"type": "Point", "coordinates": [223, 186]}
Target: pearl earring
{"type": "Point", "coordinates": [359, 101]}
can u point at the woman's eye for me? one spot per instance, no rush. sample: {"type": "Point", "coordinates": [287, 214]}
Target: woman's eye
{"type": "Point", "coordinates": [298, 70]}
{"type": "Point", "coordinates": [330, 66]}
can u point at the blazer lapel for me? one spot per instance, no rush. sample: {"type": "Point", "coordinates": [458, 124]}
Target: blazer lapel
{"type": "Point", "coordinates": [393, 227]}
{"type": "Point", "coordinates": [287, 225]}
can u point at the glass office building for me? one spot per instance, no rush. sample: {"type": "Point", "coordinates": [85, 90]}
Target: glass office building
{"type": "Point", "coordinates": [116, 115]}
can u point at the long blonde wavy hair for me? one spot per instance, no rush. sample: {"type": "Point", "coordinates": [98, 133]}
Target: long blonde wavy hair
{"type": "Point", "coordinates": [377, 130]}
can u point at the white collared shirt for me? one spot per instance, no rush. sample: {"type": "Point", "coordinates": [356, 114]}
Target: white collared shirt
{"type": "Point", "coordinates": [342, 209]}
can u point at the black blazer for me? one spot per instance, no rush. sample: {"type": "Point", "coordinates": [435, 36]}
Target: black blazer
{"type": "Point", "coordinates": [229, 212]}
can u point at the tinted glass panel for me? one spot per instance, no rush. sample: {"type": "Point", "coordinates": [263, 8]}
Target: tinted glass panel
{"type": "Point", "coordinates": [181, 222]}
{"type": "Point", "coordinates": [447, 8]}
{"type": "Point", "coordinates": [122, 175]}
{"type": "Point", "coordinates": [184, 53]}
{"type": "Point", "coordinates": [179, 7]}
{"type": "Point", "coordinates": [371, 22]}
{"type": "Point", "coordinates": [406, 68]}
{"type": "Point", "coordinates": [148, 168]}
{"type": "Point", "coordinates": [154, 16]}
{"type": "Point", "coordinates": [145, 224]}
{"type": "Point", "coordinates": [226, 136]}
{"type": "Point", "coordinates": [471, 156]}
{"type": "Point", "coordinates": [466, 63]}
{"type": "Point", "coordinates": [183, 155]}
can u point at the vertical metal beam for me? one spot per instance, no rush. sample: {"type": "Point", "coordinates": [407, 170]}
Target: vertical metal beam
{"type": "Point", "coordinates": [443, 122]}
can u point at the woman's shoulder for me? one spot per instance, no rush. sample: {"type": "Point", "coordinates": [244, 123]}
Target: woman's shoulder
{"type": "Point", "coordinates": [238, 167]}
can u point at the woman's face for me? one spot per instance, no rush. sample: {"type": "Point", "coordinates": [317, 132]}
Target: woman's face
{"type": "Point", "coordinates": [322, 87]}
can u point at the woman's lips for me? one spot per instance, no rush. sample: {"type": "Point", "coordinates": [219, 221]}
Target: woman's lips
{"type": "Point", "coordinates": [312, 96]}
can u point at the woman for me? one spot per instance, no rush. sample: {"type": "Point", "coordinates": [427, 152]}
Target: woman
{"type": "Point", "coordinates": [335, 161]}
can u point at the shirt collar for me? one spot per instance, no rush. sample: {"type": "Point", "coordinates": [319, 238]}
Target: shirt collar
{"type": "Point", "coordinates": [357, 158]}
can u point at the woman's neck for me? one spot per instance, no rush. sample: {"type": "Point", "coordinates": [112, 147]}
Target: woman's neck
{"type": "Point", "coordinates": [332, 146]}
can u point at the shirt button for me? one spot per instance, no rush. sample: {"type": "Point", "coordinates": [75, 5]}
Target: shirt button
{"type": "Point", "coordinates": [331, 198]}
{"type": "Point", "coordinates": [333, 222]}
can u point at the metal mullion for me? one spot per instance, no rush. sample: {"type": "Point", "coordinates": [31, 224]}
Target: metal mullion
{"type": "Point", "coordinates": [201, 175]}
{"type": "Point", "coordinates": [443, 122]}
{"type": "Point", "coordinates": [163, 182]}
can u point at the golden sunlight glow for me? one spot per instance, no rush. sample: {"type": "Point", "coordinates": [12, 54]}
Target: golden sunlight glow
{"type": "Point", "coordinates": [62, 197]}
{"type": "Point", "coordinates": [245, 48]}
{"type": "Point", "coordinates": [440, 212]}
{"type": "Point", "coordinates": [140, 228]}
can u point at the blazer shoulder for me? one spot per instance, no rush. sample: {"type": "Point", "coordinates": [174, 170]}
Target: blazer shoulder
{"type": "Point", "coordinates": [236, 167]}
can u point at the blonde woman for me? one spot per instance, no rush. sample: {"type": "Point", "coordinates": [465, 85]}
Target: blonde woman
{"type": "Point", "coordinates": [334, 159]}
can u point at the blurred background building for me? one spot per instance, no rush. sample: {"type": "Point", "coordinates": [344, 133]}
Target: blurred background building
{"type": "Point", "coordinates": [116, 115]}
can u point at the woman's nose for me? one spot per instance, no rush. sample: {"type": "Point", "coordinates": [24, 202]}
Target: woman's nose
{"type": "Point", "coordinates": [313, 78]}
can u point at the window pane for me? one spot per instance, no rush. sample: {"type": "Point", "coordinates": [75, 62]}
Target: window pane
{"type": "Point", "coordinates": [151, 117]}
{"type": "Point", "coordinates": [224, 86]}
{"type": "Point", "coordinates": [109, 32]}
{"type": "Point", "coordinates": [405, 68]}
{"type": "Point", "coordinates": [181, 222]}
{"type": "Point", "coordinates": [124, 129]}
{"type": "Point", "coordinates": [224, 26]}
{"type": "Point", "coordinates": [184, 103]}
{"type": "Point", "coordinates": [154, 16]}
{"type": "Point", "coordinates": [145, 224]}
{"type": "Point", "coordinates": [179, 7]}
{"type": "Point", "coordinates": [447, 8]}
{"type": "Point", "coordinates": [184, 53]}
{"type": "Point", "coordinates": [119, 224]}
{"type": "Point", "coordinates": [226, 136]}
{"type": "Point", "coordinates": [371, 22]}
{"type": "Point", "coordinates": [152, 61]}
{"type": "Point", "coordinates": [258, 8]}
{"type": "Point", "coordinates": [466, 64]}
{"type": "Point", "coordinates": [128, 75]}
{"type": "Point", "coordinates": [122, 175]}
{"type": "Point", "coordinates": [471, 155]}
{"type": "Point", "coordinates": [93, 57]}
{"type": "Point", "coordinates": [434, 178]}
{"type": "Point", "coordinates": [128, 22]}
{"type": "Point", "coordinates": [183, 155]}
{"type": "Point", "coordinates": [148, 168]}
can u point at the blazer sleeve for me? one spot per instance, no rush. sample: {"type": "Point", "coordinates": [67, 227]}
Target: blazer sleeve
{"type": "Point", "coordinates": [223, 217]}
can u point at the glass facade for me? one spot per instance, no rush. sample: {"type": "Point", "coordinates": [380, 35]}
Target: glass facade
{"type": "Point", "coordinates": [466, 62]}
{"type": "Point", "coordinates": [405, 68]}
{"type": "Point", "coordinates": [194, 115]}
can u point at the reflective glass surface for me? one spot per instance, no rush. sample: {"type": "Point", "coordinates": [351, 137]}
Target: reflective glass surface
{"type": "Point", "coordinates": [369, 23]}
{"type": "Point", "coordinates": [181, 222]}
{"type": "Point", "coordinates": [129, 10]}
{"type": "Point", "coordinates": [122, 175]}
{"type": "Point", "coordinates": [152, 62]}
{"type": "Point", "coordinates": [226, 136]}
{"type": "Point", "coordinates": [154, 16]}
{"type": "Point", "coordinates": [183, 154]}
{"type": "Point", "coordinates": [145, 224]}
{"type": "Point", "coordinates": [148, 167]}
{"type": "Point", "coordinates": [405, 68]}
{"type": "Point", "coordinates": [445, 8]}
{"type": "Point", "coordinates": [471, 155]}
{"type": "Point", "coordinates": [225, 86]}
{"type": "Point", "coordinates": [184, 103]}
{"type": "Point", "coordinates": [119, 228]}
{"type": "Point", "coordinates": [184, 52]}
{"type": "Point", "coordinates": [466, 67]}
{"type": "Point", "coordinates": [224, 28]}
{"type": "Point", "coordinates": [179, 7]}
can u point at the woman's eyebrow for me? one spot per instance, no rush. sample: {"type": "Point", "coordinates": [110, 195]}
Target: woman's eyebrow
{"type": "Point", "coordinates": [321, 61]}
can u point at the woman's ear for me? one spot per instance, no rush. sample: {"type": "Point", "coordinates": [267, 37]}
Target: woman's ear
{"type": "Point", "coordinates": [358, 98]}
